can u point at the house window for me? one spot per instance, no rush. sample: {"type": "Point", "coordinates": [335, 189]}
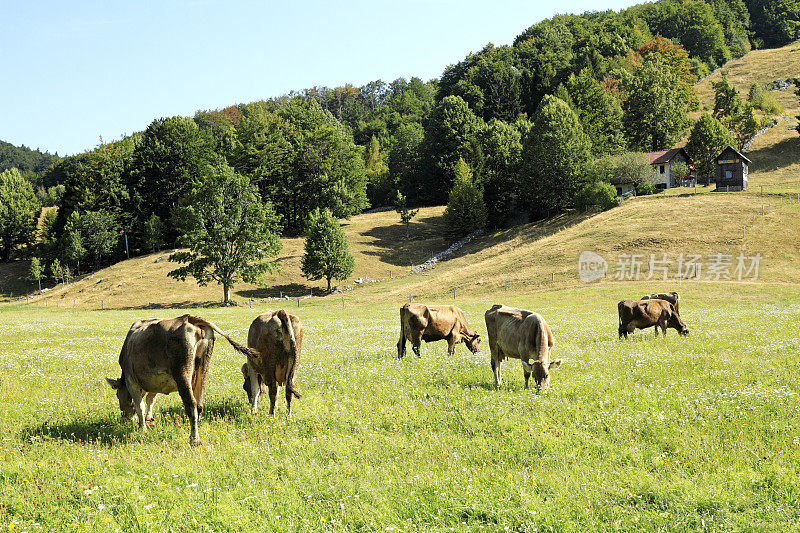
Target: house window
{"type": "Point", "coordinates": [728, 174]}
{"type": "Point", "coordinates": [661, 169]}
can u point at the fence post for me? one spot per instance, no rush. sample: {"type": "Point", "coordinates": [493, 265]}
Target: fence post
{"type": "Point", "coordinates": [390, 275]}
{"type": "Point", "coordinates": [506, 285]}
{"type": "Point", "coordinates": [342, 302]}
{"type": "Point", "coordinates": [101, 305]}
{"type": "Point", "coordinates": [298, 302]}
{"type": "Point", "coordinates": [762, 209]}
{"type": "Point", "coordinates": [553, 277]}
{"type": "Point", "coordinates": [744, 232]}
{"type": "Point", "coordinates": [762, 190]}
{"type": "Point", "coordinates": [454, 293]}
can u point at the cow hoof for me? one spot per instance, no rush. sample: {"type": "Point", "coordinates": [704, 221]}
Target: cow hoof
{"type": "Point", "coordinates": [196, 443]}
{"type": "Point", "coordinates": [253, 411]}
{"type": "Point", "coordinates": [150, 422]}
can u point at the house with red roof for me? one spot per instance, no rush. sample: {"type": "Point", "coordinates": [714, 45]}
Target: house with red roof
{"type": "Point", "coordinates": [663, 162]}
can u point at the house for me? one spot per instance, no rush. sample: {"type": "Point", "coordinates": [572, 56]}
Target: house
{"type": "Point", "coordinates": [732, 168]}
{"type": "Point", "coordinates": [663, 162]}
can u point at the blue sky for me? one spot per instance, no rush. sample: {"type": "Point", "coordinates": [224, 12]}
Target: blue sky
{"type": "Point", "coordinates": [73, 72]}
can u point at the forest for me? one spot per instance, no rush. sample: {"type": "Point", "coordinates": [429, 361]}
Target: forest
{"type": "Point", "coordinates": [507, 134]}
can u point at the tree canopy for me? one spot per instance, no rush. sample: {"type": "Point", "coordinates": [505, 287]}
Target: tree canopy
{"type": "Point", "coordinates": [229, 232]}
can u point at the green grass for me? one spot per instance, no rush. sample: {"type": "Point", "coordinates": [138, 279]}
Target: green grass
{"type": "Point", "coordinates": [698, 433]}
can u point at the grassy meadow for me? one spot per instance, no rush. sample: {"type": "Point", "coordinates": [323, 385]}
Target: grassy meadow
{"type": "Point", "coordinates": [697, 433]}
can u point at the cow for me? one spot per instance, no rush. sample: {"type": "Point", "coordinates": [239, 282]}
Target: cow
{"type": "Point", "coordinates": [671, 297]}
{"type": "Point", "coordinates": [430, 323]}
{"type": "Point", "coordinates": [524, 335]}
{"type": "Point", "coordinates": [276, 336]}
{"type": "Point", "coordinates": [164, 356]}
{"type": "Point", "coordinates": [643, 314]}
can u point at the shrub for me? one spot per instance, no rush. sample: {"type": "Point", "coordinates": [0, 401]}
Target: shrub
{"type": "Point", "coordinates": [597, 193]}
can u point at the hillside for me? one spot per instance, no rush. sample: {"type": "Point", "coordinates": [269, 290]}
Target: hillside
{"type": "Point", "coordinates": [377, 241]}
{"type": "Point", "coordinates": [531, 257]}
{"type": "Point", "coordinates": [776, 153]}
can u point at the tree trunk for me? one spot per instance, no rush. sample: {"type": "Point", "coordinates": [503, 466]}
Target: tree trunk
{"type": "Point", "coordinates": [329, 284]}
{"type": "Point", "coordinates": [40, 284]}
{"type": "Point", "coordinates": [226, 289]}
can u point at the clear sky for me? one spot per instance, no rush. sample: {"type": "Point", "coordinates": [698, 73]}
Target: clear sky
{"type": "Point", "coordinates": [72, 72]}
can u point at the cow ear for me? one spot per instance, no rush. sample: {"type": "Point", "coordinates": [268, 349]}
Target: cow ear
{"type": "Point", "coordinates": [555, 364]}
{"type": "Point", "coordinates": [114, 383]}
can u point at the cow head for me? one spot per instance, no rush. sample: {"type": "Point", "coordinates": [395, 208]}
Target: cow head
{"type": "Point", "coordinates": [126, 407]}
{"type": "Point", "coordinates": [675, 321]}
{"type": "Point", "coordinates": [473, 342]}
{"type": "Point", "coordinates": [541, 373]}
{"type": "Point", "coordinates": [246, 384]}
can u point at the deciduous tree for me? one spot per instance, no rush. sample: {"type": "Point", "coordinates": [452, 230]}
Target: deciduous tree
{"type": "Point", "coordinates": [706, 140]}
{"type": "Point", "coordinates": [327, 254]}
{"type": "Point", "coordinates": [229, 231]}
{"type": "Point", "coordinates": [655, 113]}
{"type": "Point", "coordinates": [554, 158]}
{"type": "Point", "coordinates": [19, 211]}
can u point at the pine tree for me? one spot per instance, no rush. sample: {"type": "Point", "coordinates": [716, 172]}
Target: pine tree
{"type": "Point", "coordinates": [466, 210]}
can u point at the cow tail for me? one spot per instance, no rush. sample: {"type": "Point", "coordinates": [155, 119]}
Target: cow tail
{"type": "Point", "coordinates": [288, 330]}
{"type": "Point", "coordinates": [197, 321]}
{"type": "Point", "coordinates": [401, 344]}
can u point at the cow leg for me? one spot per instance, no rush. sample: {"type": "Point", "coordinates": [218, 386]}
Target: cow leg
{"type": "Point", "coordinates": [255, 389]}
{"type": "Point", "coordinates": [199, 377]}
{"type": "Point", "coordinates": [496, 370]}
{"type": "Point", "coordinates": [149, 401]}
{"type": "Point", "coordinates": [415, 347]}
{"type": "Point", "coordinates": [451, 345]}
{"type": "Point", "coordinates": [190, 406]}
{"type": "Point", "coordinates": [656, 329]}
{"type": "Point", "coordinates": [138, 403]}
{"type": "Point", "coordinates": [273, 396]}
{"type": "Point", "coordinates": [401, 346]}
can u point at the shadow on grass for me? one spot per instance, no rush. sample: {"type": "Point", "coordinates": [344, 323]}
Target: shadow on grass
{"type": "Point", "coordinates": [527, 232]}
{"type": "Point", "coordinates": [226, 409]}
{"type": "Point", "coordinates": [113, 430]}
{"type": "Point", "coordinates": [186, 304]}
{"type": "Point", "coordinates": [425, 238]}
{"type": "Point", "coordinates": [292, 290]}
{"type": "Point", "coordinates": [106, 431]}
{"type": "Point", "coordinates": [776, 156]}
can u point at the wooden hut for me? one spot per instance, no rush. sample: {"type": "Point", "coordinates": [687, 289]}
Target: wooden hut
{"type": "Point", "coordinates": [732, 168]}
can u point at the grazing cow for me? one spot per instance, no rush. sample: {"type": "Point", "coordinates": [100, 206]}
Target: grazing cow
{"type": "Point", "coordinates": [643, 314]}
{"type": "Point", "coordinates": [671, 297]}
{"type": "Point", "coordinates": [276, 337]}
{"type": "Point", "coordinates": [523, 335]}
{"type": "Point", "coordinates": [164, 356]}
{"type": "Point", "coordinates": [430, 323]}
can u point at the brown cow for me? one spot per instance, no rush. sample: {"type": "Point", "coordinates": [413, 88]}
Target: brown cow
{"type": "Point", "coordinates": [643, 314]}
{"type": "Point", "coordinates": [277, 338]}
{"type": "Point", "coordinates": [430, 323]}
{"type": "Point", "coordinates": [524, 335]}
{"type": "Point", "coordinates": [164, 356]}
